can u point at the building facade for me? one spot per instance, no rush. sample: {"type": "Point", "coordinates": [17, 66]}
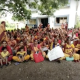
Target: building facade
{"type": "Point", "coordinates": [67, 14]}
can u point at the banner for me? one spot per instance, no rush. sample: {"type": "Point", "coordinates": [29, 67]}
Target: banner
{"type": "Point", "coordinates": [55, 53]}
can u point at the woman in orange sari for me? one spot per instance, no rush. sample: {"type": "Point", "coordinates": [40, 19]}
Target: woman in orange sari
{"type": "Point", "coordinates": [3, 35]}
{"type": "Point", "coordinates": [26, 28]}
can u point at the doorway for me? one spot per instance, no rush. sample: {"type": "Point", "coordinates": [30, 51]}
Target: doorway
{"type": "Point", "coordinates": [44, 22]}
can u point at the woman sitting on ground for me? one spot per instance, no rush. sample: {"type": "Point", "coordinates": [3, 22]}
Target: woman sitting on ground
{"type": "Point", "coordinates": [53, 45]}
{"type": "Point", "coordinates": [26, 57]}
{"type": "Point", "coordinates": [4, 44]}
{"type": "Point", "coordinates": [4, 56]}
{"type": "Point", "coordinates": [21, 54]}
{"type": "Point", "coordinates": [69, 51]}
{"type": "Point", "coordinates": [36, 48]}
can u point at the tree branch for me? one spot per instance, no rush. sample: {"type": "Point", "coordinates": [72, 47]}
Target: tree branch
{"type": "Point", "coordinates": [4, 10]}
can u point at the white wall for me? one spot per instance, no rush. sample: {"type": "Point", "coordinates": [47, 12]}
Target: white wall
{"type": "Point", "coordinates": [70, 11]}
{"type": "Point", "coordinates": [72, 14]}
{"type": "Point", "coordinates": [61, 12]}
{"type": "Point", "coordinates": [78, 11]}
{"type": "Point", "coordinates": [38, 21]}
{"type": "Point", "coordinates": [51, 21]}
{"type": "Point", "coordinates": [58, 13]}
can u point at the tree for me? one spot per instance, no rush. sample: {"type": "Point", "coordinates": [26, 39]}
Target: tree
{"type": "Point", "coordinates": [20, 8]}
{"type": "Point", "coordinates": [48, 7]}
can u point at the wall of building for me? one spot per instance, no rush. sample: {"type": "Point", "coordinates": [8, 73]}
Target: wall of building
{"type": "Point", "coordinates": [51, 21]}
{"type": "Point", "coordinates": [72, 14]}
{"type": "Point", "coordinates": [61, 13]}
{"type": "Point", "coordinates": [69, 12]}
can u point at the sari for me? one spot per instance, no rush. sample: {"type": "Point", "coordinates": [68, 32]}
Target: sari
{"type": "Point", "coordinates": [3, 35]}
{"type": "Point", "coordinates": [12, 43]}
{"type": "Point", "coordinates": [77, 48]}
{"type": "Point", "coordinates": [38, 55]}
{"type": "Point", "coordinates": [68, 52]}
{"type": "Point", "coordinates": [26, 57]}
{"type": "Point", "coordinates": [10, 52]}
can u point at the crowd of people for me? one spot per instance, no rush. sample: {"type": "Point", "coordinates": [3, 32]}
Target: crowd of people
{"type": "Point", "coordinates": [33, 44]}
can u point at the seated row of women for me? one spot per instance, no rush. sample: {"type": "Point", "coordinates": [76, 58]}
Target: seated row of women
{"type": "Point", "coordinates": [36, 52]}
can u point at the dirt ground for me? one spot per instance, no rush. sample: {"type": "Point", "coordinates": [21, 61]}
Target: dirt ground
{"type": "Point", "coordinates": [41, 71]}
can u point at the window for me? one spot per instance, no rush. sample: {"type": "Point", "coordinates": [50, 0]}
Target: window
{"type": "Point", "coordinates": [60, 20]}
{"type": "Point", "coordinates": [32, 21]}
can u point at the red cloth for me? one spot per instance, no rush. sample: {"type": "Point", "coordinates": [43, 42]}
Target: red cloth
{"type": "Point", "coordinates": [25, 49]}
{"type": "Point", "coordinates": [38, 57]}
{"type": "Point", "coordinates": [38, 46]}
{"type": "Point", "coordinates": [59, 41]}
{"type": "Point", "coordinates": [46, 38]}
{"type": "Point", "coordinates": [76, 34]}
{"type": "Point", "coordinates": [1, 36]}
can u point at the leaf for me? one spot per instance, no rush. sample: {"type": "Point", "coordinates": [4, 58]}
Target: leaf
{"type": "Point", "coordinates": [20, 8]}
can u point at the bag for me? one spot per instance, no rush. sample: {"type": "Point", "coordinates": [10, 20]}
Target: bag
{"type": "Point", "coordinates": [38, 57]}
{"type": "Point", "coordinates": [69, 58]}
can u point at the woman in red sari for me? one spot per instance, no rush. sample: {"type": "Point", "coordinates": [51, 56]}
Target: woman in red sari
{"type": "Point", "coordinates": [36, 48]}
{"type": "Point", "coordinates": [12, 42]}
{"type": "Point", "coordinates": [4, 44]}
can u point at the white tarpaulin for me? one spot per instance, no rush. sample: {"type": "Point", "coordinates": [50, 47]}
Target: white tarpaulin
{"type": "Point", "coordinates": [55, 53]}
{"type": "Point", "coordinates": [44, 49]}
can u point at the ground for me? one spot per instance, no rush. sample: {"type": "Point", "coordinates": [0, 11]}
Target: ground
{"type": "Point", "coordinates": [66, 70]}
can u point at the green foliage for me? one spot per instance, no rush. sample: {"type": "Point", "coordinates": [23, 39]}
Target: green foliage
{"type": "Point", "coordinates": [48, 7]}
{"type": "Point", "coordinates": [10, 26]}
{"type": "Point", "coordinates": [17, 7]}
{"type": "Point", "coordinates": [20, 8]}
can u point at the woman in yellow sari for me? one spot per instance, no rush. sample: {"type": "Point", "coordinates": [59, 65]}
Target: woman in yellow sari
{"type": "Point", "coordinates": [21, 50]}
{"type": "Point", "coordinates": [69, 51]}
{"type": "Point", "coordinates": [3, 35]}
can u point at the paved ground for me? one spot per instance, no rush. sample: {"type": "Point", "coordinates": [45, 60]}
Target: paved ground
{"type": "Point", "coordinates": [41, 71]}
